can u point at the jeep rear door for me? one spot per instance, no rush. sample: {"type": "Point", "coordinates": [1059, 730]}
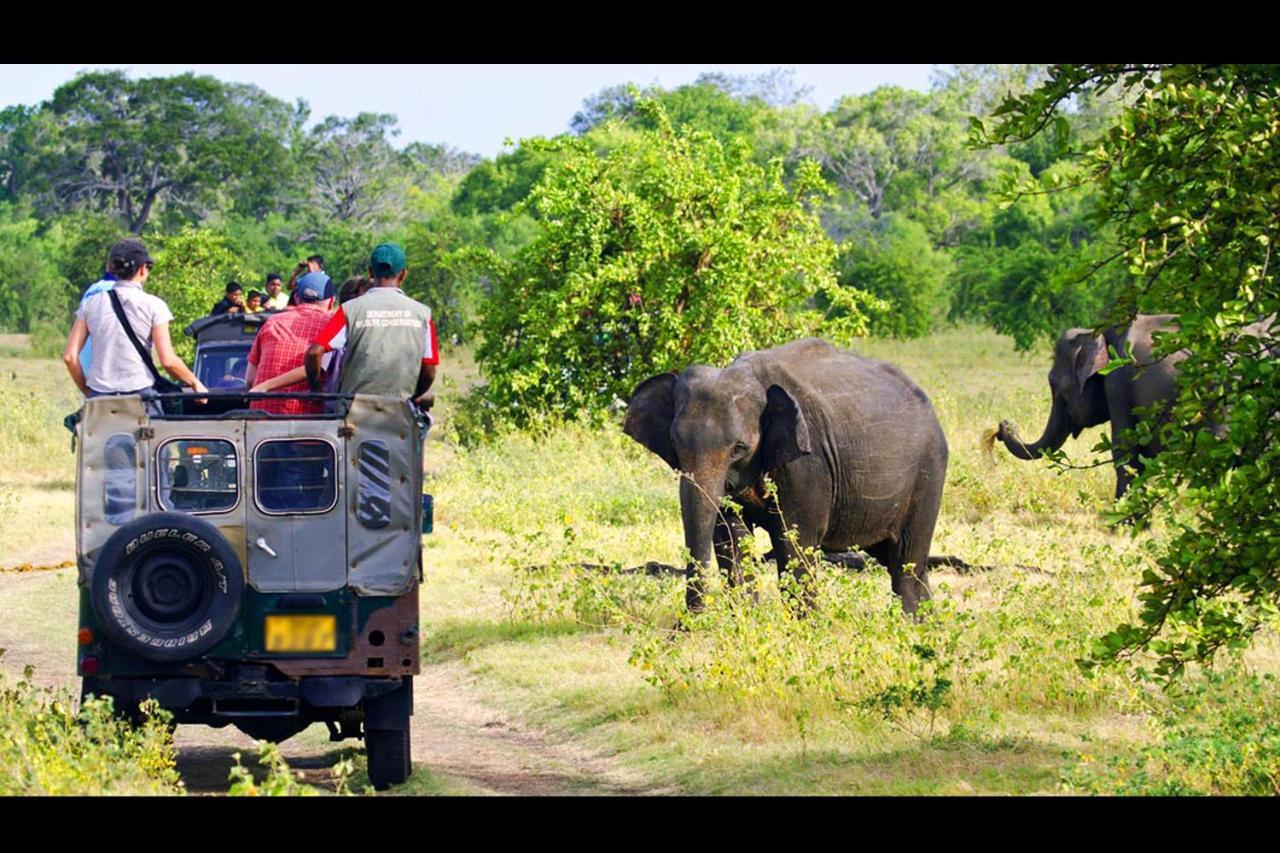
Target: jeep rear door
{"type": "Point", "coordinates": [296, 529]}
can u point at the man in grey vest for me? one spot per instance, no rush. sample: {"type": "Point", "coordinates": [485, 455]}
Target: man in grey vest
{"type": "Point", "coordinates": [389, 339]}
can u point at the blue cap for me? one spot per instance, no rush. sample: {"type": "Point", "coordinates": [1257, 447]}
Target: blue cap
{"type": "Point", "coordinates": [311, 287]}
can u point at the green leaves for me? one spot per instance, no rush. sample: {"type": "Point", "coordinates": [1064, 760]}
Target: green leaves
{"type": "Point", "coordinates": [668, 249]}
{"type": "Point", "coordinates": [1186, 179]}
{"type": "Point", "coordinates": [192, 269]}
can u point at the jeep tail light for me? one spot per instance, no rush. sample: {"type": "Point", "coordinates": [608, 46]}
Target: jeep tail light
{"type": "Point", "coordinates": [89, 665]}
{"type": "Point", "coordinates": [84, 636]}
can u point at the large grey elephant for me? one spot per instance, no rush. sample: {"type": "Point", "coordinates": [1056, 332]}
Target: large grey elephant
{"type": "Point", "coordinates": [1082, 398]}
{"type": "Point", "coordinates": [852, 445]}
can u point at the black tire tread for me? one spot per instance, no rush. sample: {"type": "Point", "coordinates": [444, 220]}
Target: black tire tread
{"type": "Point", "coordinates": [389, 757]}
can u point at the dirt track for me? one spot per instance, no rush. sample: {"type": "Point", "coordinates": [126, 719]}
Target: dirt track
{"type": "Point", "coordinates": [463, 744]}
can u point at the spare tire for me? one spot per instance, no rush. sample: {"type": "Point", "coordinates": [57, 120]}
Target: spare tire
{"type": "Point", "coordinates": [167, 586]}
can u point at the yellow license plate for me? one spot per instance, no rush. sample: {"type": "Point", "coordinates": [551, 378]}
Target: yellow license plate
{"type": "Point", "coordinates": [310, 633]}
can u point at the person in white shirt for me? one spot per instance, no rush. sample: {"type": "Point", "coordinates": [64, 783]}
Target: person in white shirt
{"type": "Point", "coordinates": [277, 299]}
{"type": "Point", "coordinates": [116, 368]}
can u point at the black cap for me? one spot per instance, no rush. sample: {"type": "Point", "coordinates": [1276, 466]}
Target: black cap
{"type": "Point", "coordinates": [128, 253]}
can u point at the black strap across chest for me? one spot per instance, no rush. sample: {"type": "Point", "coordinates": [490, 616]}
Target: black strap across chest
{"type": "Point", "coordinates": [133, 338]}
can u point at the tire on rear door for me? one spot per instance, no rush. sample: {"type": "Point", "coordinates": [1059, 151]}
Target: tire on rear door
{"type": "Point", "coordinates": [167, 586]}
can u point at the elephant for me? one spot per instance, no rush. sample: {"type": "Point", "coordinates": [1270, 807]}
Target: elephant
{"type": "Point", "coordinates": [851, 444]}
{"type": "Point", "coordinates": [1082, 398]}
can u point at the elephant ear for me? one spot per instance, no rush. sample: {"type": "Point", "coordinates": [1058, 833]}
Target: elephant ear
{"type": "Point", "coordinates": [784, 435]}
{"type": "Point", "coordinates": [650, 413]}
{"type": "Point", "coordinates": [1090, 358]}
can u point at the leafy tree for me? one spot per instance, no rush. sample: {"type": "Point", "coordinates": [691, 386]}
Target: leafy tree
{"type": "Point", "coordinates": [500, 184]}
{"type": "Point", "coordinates": [439, 160]}
{"type": "Point", "coordinates": [262, 246]}
{"type": "Point", "coordinates": [1039, 266]}
{"type": "Point", "coordinates": [191, 272]}
{"type": "Point", "coordinates": [1187, 179]}
{"type": "Point", "coordinates": [351, 165]}
{"type": "Point", "coordinates": [776, 88]}
{"type": "Point", "coordinates": [31, 288]}
{"type": "Point", "coordinates": [894, 149]}
{"type": "Point", "coordinates": [895, 260]}
{"type": "Point", "coordinates": [669, 249]}
{"type": "Point", "coordinates": [17, 127]}
{"type": "Point", "coordinates": [766, 110]}
{"type": "Point", "coordinates": [129, 146]}
{"type": "Point", "coordinates": [980, 88]}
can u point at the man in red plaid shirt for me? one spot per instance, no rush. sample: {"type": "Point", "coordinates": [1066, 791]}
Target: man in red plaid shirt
{"type": "Point", "coordinates": [282, 342]}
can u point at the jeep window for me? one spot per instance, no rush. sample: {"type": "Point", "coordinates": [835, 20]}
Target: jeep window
{"type": "Point", "coordinates": [296, 476]}
{"type": "Point", "coordinates": [223, 366]}
{"type": "Point", "coordinates": [120, 486]}
{"type": "Point", "coordinates": [373, 492]}
{"type": "Point", "coordinates": [198, 475]}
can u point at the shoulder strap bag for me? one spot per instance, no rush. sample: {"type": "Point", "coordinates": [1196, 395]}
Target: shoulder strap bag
{"type": "Point", "coordinates": [161, 385]}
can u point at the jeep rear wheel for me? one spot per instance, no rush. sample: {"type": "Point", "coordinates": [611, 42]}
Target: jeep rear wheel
{"type": "Point", "coordinates": [167, 586]}
{"type": "Point", "coordinates": [389, 759]}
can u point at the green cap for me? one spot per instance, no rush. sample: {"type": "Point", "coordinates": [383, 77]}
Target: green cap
{"type": "Point", "coordinates": [387, 260]}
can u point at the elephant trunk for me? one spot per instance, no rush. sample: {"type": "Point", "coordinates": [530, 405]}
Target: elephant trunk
{"type": "Point", "coordinates": [1054, 436]}
{"type": "Point", "coordinates": [700, 495]}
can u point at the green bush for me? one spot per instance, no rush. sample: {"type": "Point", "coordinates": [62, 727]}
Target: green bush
{"type": "Point", "coordinates": [1218, 735]}
{"type": "Point", "coordinates": [192, 269]}
{"type": "Point", "coordinates": [896, 261]}
{"type": "Point", "coordinates": [48, 748]}
{"type": "Point", "coordinates": [671, 248]}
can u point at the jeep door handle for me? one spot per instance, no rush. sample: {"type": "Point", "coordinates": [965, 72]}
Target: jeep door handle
{"type": "Point", "coordinates": [262, 543]}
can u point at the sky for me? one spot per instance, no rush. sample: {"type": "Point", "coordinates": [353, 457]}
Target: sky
{"type": "Point", "coordinates": [470, 107]}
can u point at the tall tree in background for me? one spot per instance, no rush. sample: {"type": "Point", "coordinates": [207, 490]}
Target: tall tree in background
{"type": "Point", "coordinates": [129, 146]}
{"type": "Point", "coordinates": [1187, 178]}
{"type": "Point", "coordinates": [351, 166]}
{"type": "Point", "coordinates": [17, 129]}
{"type": "Point", "coordinates": [897, 149]}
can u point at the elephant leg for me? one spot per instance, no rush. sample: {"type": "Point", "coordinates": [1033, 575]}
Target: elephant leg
{"type": "Point", "coordinates": [796, 522]}
{"type": "Point", "coordinates": [1123, 456]}
{"type": "Point", "coordinates": [907, 558]}
{"type": "Point", "coordinates": [729, 534]}
{"type": "Point", "coordinates": [1120, 406]}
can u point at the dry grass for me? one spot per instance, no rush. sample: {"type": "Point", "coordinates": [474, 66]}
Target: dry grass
{"type": "Point", "coordinates": [567, 649]}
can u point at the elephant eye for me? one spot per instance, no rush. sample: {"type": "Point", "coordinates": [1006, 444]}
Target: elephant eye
{"type": "Point", "coordinates": [740, 447]}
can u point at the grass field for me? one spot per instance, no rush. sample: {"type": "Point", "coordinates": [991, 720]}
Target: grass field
{"type": "Point", "coordinates": [983, 696]}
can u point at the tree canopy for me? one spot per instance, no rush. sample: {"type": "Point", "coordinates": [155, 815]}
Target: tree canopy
{"type": "Point", "coordinates": [671, 248]}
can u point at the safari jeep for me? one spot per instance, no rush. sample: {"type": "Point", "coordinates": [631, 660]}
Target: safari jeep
{"type": "Point", "coordinates": [254, 569]}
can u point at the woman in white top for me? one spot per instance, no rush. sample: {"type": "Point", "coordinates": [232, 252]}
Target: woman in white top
{"type": "Point", "coordinates": [116, 367]}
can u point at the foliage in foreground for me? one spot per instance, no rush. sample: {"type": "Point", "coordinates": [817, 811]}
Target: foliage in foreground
{"type": "Point", "coordinates": [47, 748]}
{"type": "Point", "coordinates": [1186, 178]}
{"type": "Point", "coordinates": [1219, 735]}
{"type": "Point", "coordinates": [670, 248]}
{"type": "Point", "coordinates": [280, 780]}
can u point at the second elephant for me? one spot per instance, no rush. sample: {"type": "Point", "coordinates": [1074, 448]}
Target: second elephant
{"type": "Point", "coordinates": [1082, 398]}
